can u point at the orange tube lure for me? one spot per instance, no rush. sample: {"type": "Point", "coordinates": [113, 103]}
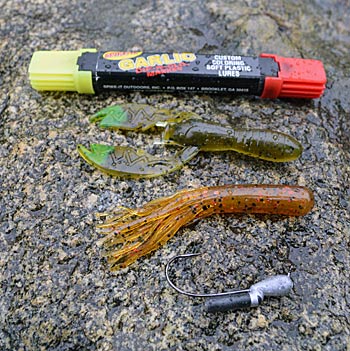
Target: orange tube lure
{"type": "Point", "coordinates": [132, 233]}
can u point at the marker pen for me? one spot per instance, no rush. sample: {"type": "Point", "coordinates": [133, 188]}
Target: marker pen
{"type": "Point", "coordinates": [91, 71]}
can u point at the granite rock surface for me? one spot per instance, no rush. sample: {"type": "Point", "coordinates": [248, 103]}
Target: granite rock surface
{"type": "Point", "coordinates": [57, 292]}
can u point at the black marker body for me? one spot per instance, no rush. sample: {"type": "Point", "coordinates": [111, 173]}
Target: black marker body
{"type": "Point", "coordinates": [178, 72]}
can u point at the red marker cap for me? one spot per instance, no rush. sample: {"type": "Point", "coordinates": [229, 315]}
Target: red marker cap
{"type": "Point", "coordinates": [297, 78]}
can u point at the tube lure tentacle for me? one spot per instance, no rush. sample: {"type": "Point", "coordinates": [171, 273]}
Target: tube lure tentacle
{"type": "Point", "coordinates": [260, 143]}
{"type": "Point", "coordinates": [136, 116]}
{"type": "Point", "coordinates": [130, 234]}
{"type": "Point", "coordinates": [125, 161]}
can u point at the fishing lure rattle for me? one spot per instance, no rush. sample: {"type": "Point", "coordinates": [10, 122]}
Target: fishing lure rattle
{"type": "Point", "coordinates": [182, 129]}
{"type": "Point", "coordinates": [277, 285]}
{"type": "Point", "coordinates": [133, 233]}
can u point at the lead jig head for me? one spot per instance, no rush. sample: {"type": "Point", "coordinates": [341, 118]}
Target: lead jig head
{"type": "Point", "coordinates": [277, 285]}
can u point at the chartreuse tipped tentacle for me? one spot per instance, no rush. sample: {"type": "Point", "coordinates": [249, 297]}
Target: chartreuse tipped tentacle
{"type": "Point", "coordinates": [110, 116]}
{"type": "Point", "coordinates": [126, 161]}
{"type": "Point", "coordinates": [136, 116]}
{"type": "Point", "coordinates": [97, 155]}
{"type": "Point", "coordinates": [130, 235]}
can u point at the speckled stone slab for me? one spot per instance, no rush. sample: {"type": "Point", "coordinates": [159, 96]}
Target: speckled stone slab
{"type": "Point", "coordinates": [57, 292]}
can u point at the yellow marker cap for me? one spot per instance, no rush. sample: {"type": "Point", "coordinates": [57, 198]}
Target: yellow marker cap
{"type": "Point", "coordinates": [58, 70]}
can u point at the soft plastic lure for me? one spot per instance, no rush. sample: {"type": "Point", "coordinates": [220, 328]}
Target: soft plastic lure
{"type": "Point", "coordinates": [132, 233]}
{"type": "Point", "coordinates": [187, 129]}
{"type": "Point", "coordinates": [184, 129]}
{"type": "Point", "coordinates": [125, 161]}
{"type": "Point", "coordinates": [261, 143]}
{"type": "Point", "coordinates": [135, 116]}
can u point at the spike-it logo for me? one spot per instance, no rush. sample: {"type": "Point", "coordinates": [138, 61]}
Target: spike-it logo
{"type": "Point", "coordinates": [120, 55]}
{"type": "Point", "coordinates": [155, 64]}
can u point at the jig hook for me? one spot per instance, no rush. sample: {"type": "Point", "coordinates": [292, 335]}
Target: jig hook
{"type": "Point", "coordinates": [277, 285]}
